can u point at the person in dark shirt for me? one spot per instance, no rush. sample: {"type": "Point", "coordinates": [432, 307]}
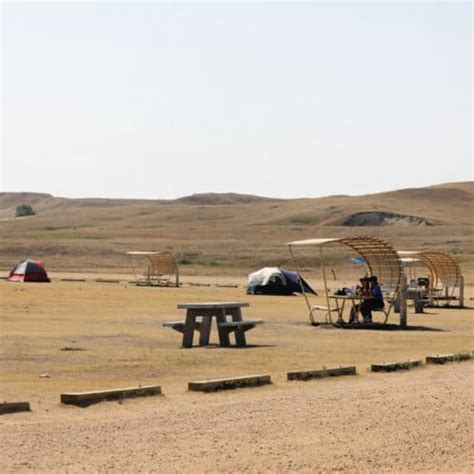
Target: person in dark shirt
{"type": "Point", "coordinates": [363, 289]}
{"type": "Point", "coordinates": [374, 302]}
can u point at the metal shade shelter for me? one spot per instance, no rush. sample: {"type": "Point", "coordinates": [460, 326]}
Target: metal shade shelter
{"type": "Point", "coordinates": [162, 267]}
{"type": "Point", "coordinates": [381, 259]}
{"type": "Point", "coordinates": [445, 272]}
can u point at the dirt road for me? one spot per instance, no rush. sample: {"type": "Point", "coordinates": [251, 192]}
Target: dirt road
{"type": "Point", "coordinates": [421, 420]}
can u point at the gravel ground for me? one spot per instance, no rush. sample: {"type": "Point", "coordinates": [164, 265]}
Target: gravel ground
{"type": "Point", "coordinates": [415, 421]}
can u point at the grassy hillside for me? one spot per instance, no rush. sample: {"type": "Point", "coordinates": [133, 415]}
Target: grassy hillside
{"type": "Point", "coordinates": [225, 232]}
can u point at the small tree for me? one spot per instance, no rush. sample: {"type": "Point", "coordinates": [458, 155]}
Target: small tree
{"type": "Point", "coordinates": [25, 210]}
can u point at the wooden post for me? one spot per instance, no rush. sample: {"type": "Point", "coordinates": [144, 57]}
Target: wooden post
{"type": "Point", "coordinates": [134, 270]}
{"type": "Point", "coordinates": [461, 291]}
{"type": "Point", "coordinates": [418, 302]}
{"type": "Point", "coordinates": [396, 303]}
{"type": "Point", "coordinates": [325, 282]}
{"type": "Point", "coordinates": [403, 300]}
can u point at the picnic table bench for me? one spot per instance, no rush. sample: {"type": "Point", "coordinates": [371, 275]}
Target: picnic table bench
{"type": "Point", "coordinates": [207, 311]}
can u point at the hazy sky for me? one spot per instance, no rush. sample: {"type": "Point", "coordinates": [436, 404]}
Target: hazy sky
{"type": "Point", "coordinates": [159, 100]}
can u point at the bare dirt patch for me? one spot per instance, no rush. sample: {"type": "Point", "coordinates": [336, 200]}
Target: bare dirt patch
{"type": "Point", "coordinates": [360, 424]}
{"type": "Point", "coordinates": [382, 219]}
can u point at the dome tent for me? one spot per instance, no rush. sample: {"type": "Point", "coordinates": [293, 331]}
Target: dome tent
{"type": "Point", "coordinates": [276, 281]}
{"type": "Point", "coordinates": [29, 270]}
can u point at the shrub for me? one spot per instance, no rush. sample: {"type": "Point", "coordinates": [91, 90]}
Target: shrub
{"type": "Point", "coordinates": [24, 210]}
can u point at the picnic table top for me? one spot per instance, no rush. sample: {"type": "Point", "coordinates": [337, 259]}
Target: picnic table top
{"type": "Point", "coordinates": [213, 305]}
{"type": "Point", "coordinates": [351, 297]}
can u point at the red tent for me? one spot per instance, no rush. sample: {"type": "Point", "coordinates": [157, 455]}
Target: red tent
{"type": "Point", "coordinates": [29, 270]}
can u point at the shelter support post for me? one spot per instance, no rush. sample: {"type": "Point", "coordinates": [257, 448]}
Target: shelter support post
{"type": "Point", "coordinates": [431, 300]}
{"type": "Point", "coordinates": [403, 300]}
{"type": "Point", "coordinates": [461, 291]}
{"type": "Point", "coordinates": [325, 282]}
{"type": "Point", "coordinates": [302, 286]}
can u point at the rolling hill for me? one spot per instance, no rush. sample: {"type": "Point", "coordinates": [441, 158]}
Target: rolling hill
{"type": "Point", "coordinates": [218, 232]}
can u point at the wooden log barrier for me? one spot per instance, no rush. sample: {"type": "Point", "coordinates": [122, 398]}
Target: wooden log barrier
{"type": "Point", "coordinates": [463, 356]}
{"type": "Point", "coordinates": [106, 280]}
{"type": "Point", "coordinates": [84, 399]}
{"type": "Point", "coordinates": [439, 359]}
{"type": "Point", "coordinates": [319, 374]}
{"type": "Point", "coordinates": [229, 383]}
{"type": "Point", "coordinates": [14, 407]}
{"type": "Point", "coordinates": [393, 366]}
{"type": "Point", "coordinates": [74, 279]}
{"type": "Point", "coordinates": [444, 358]}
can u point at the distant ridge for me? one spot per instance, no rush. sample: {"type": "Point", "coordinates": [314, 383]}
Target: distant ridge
{"type": "Point", "coordinates": [44, 200]}
{"type": "Point", "coordinates": [443, 191]}
{"type": "Point", "coordinates": [218, 231]}
{"type": "Point", "coordinates": [438, 204]}
{"type": "Point", "coordinates": [213, 199]}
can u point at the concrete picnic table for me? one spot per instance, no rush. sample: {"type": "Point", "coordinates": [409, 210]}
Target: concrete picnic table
{"type": "Point", "coordinates": [208, 310]}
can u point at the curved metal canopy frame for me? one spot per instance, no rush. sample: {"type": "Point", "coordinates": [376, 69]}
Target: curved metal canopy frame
{"type": "Point", "coordinates": [382, 260]}
{"type": "Point", "coordinates": [444, 269]}
{"type": "Point", "coordinates": [162, 267]}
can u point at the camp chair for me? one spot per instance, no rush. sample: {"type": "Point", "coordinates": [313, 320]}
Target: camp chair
{"type": "Point", "coordinates": [325, 310]}
{"type": "Point", "coordinates": [390, 295]}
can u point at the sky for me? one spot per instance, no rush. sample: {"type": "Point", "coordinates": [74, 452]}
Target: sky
{"type": "Point", "coordinates": [161, 100]}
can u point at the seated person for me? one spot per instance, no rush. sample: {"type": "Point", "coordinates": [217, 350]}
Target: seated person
{"type": "Point", "coordinates": [375, 302]}
{"type": "Point", "coordinates": [423, 284]}
{"type": "Point", "coordinates": [363, 290]}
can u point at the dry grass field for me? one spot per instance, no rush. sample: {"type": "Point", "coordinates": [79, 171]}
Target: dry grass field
{"type": "Point", "coordinates": [223, 234]}
{"type": "Point", "coordinates": [119, 325]}
{"type": "Point", "coordinates": [420, 420]}
{"type": "Point", "coordinates": [415, 421]}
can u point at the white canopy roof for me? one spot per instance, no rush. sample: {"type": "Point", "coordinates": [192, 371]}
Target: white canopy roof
{"type": "Point", "coordinates": [381, 257]}
{"type": "Point", "coordinates": [313, 242]}
{"type": "Point", "coordinates": [143, 253]}
{"type": "Point", "coordinates": [408, 260]}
